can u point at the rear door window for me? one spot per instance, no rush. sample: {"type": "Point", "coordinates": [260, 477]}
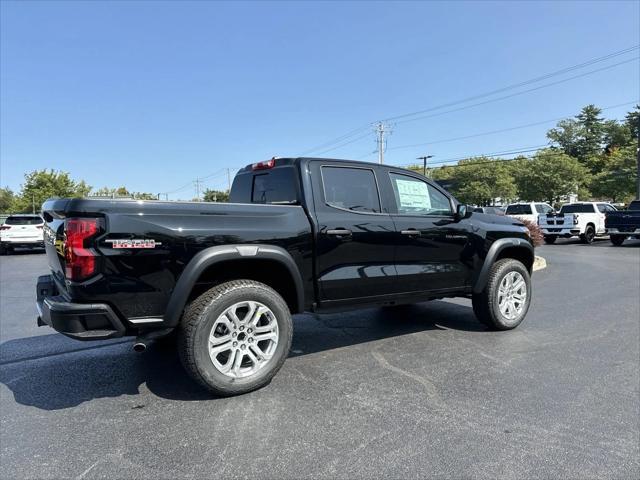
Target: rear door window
{"type": "Point", "coordinates": [352, 189]}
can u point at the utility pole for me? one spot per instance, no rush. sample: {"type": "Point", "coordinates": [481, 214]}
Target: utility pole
{"type": "Point", "coordinates": [638, 168]}
{"type": "Point", "coordinates": [33, 204]}
{"type": "Point", "coordinates": [381, 131]}
{"type": "Point", "coordinates": [424, 163]}
{"type": "Point", "coordinates": [197, 183]}
{"type": "Point", "coordinates": [228, 180]}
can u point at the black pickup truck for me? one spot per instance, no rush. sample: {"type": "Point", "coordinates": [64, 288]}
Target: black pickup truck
{"type": "Point", "coordinates": [300, 234]}
{"type": "Point", "coordinates": [623, 224]}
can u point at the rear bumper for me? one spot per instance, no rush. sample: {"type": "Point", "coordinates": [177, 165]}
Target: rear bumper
{"type": "Point", "coordinates": [561, 232]}
{"type": "Point", "coordinates": [95, 321]}
{"type": "Point", "coordinates": [624, 231]}
{"type": "Point", "coordinates": [23, 242]}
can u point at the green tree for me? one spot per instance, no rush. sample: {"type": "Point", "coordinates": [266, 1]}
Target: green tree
{"type": "Point", "coordinates": [551, 175]}
{"type": "Point", "coordinates": [40, 185]}
{"type": "Point", "coordinates": [616, 135]}
{"type": "Point", "coordinates": [144, 196]}
{"type": "Point", "coordinates": [479, 180]}
{"type": "Point", "coordinates": [617, 180]}
{"type": "Point", "coordinates": [215, 196]}
{"type": "Point", "coordinates": [632, 120]}
{"type": "Point", "coordinates": [6, 200]}
{"type": "Point", "coordinates": [581, 137]}
{"type": "Point", "coordinates": [111, 192]}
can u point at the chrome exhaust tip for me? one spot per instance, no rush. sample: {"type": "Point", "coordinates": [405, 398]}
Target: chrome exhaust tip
{"type": "Point", "coordinates": [139, 347]}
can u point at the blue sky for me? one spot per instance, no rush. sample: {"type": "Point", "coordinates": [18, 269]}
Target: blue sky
{"type": "Point", "coordinates": [152, 95]}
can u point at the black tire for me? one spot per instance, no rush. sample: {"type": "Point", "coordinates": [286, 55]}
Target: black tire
{"type": "Point", "coordinates": [550, 239]}
{"type": "Point", "coordinates": [589, 235]}
{"type": "Point", "coordinates": [486, 303]}
{"type": "Point", "coordinates": [617, 240]}
{"type": "Point", "coordinates": [3, 249]}
{"type": "Point", "coordinates": [198, 320]}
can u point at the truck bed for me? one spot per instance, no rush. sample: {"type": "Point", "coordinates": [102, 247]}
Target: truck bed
{"type": "Point", "coordinates": [169, 235]}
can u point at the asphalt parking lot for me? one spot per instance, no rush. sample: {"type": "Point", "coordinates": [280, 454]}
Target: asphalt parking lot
{"type": "Point", "coordinates": [420, 391]}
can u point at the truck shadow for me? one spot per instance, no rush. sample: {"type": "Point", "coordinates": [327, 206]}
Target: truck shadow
{"type": "Point", "coordinates": [52, 372]}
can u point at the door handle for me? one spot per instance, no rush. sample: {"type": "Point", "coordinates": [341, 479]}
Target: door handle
{"type": "Point", "coordinates": [340, 232]}
{"type": "Point", "coordinates": [411, 231]}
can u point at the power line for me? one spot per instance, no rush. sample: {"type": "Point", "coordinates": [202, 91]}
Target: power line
{"type": "Point", "coordinates": [591, 72]}
{"type": "Point", "coordinates": [520, 84]}
{"type": "Point", "coordinates": [368, 134]}
{"type": "Point", "coordinates": [514, 151]}
{"type": "Point", "coordinates": [486, 94]}
{"type": "Point", "coordinates": [492, 132]}
{"type": "Point", "coordinates": [336, 140]}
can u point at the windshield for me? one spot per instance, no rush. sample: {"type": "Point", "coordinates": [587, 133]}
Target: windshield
{"type": "Point", "coordinates": [635, 205]}
{"type": "Point", "coordinates": [524, 209]}
{"type": "Point", "coordinates": [577, 208]}
{"type": "Point", "coordinates": [24, 221]}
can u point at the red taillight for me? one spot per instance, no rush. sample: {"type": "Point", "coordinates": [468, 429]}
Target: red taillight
{"type": "Point", "coordinates": [40, 227]}
{"type": "Point", "coordinates": [5, 227]}
{"type": "Point", "coordinates": [264, 165]}
{"type": "Point", "coordinates": [80, 262]}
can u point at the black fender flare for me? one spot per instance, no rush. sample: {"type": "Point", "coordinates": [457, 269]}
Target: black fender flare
{"type": "Point", "coordinates": [213, 255]}
{"type": "Point", "coordinates": [495, 249]}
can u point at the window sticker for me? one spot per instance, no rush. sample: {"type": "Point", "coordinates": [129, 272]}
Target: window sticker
{"type": "Point", "coordinates": [412, 194]}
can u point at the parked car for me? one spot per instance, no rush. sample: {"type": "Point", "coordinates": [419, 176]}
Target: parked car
{"type": "Point", "coordinates": [489, 210]}
{"type": "Point", "coordinates": [302, 235]}
{"type": "Point", "coordinates": [623, 224]}
{"type": "Point", "coordinates": [528, 211]}
{"type": "Point", "coordinates": [21, 231]}
{"type": "Point", "coordinates": [583, 219]}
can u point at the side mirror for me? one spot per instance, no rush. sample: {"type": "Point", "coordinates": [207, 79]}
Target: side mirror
{"type": "Point", "coordinates": [462, 211]}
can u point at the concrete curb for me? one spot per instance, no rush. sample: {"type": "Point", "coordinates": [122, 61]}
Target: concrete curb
{"type": "Point", "coordinates": [539, 263]}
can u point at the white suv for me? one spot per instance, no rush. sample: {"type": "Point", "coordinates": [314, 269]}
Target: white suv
{"type": "Point", "coordinates": [583, 219]}
{"type": "Point", "coordinates": [21, 231]}
{"type": "Point", "coordinates": [528, 211]}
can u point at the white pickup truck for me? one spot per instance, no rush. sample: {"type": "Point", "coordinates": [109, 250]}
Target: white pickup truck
{"type": "Point", "coordinates": [583, 219]}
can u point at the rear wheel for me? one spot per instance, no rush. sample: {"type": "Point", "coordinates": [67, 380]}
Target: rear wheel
{"type": "Point", "coordinates": [235, 337]}
{"type": "Point", "coordinates": [617, 240]}
{"type": "Point", "coordinates": [550, 239]}
{"type": "Point", "coordinates": [4, 250]}
{"type": "Point", "coordinates": [505, 300]}
{"type": "Point", "coordinates": [589, 234]}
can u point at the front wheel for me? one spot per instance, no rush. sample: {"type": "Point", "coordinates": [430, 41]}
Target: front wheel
{"type": "Point", "coordinates": [235, 337]}
{"type": "Point", "coordinates": [550, 239]}
{"type": "Point", "coordinates": [617, 240]}
{"type": "Point", "coordinates": [589, 235]}
{"type": "Point", "coordinates": [505, 300]}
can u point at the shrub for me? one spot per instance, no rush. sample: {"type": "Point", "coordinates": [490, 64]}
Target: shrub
{"type": "Point", "coordinates": [534, 232]}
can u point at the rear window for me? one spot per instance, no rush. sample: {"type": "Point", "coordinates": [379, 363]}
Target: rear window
{"type": "Point", "coordinates": [277, 186]}
{"type": "Point", "coordinates": [519, 210]}
{"type": "Point", "coordinates": [351, 189]}
{"type": "Point", "coordinates": [577, 208]}
{"type": "Point", "coordinates": [635, 205]}
{"type": "Point", "coordinates": [24, 221]}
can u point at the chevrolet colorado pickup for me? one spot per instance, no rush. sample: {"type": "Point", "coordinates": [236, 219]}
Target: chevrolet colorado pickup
{"type": "Point", "coordinates": [624, 224]}
{"type": "Point", "coordinates": [300, 234]}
